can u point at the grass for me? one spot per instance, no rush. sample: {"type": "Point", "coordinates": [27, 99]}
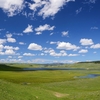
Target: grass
{"type": "Point", "coordinates": [16, 84]}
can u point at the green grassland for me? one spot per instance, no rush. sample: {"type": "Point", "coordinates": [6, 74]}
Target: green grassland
{"type": "Point", "coordinates": [16, 84]}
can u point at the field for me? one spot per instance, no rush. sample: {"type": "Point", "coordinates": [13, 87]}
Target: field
{"type": "Point", "coordinates": [16, 84]}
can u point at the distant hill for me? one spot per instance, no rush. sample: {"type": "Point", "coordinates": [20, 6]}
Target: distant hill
{"type": "Point", "coordinates": [90, 62]}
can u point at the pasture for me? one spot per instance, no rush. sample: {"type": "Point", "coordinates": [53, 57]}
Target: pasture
{"type": "Point", "coordinates": [17, 84]}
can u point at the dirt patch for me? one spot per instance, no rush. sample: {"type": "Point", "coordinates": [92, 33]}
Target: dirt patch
{"type": "Point", "coordinates": [60, 95]}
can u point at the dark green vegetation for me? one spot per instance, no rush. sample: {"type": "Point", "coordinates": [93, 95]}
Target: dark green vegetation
{"type": "Point", "coordinates": [16, 84]}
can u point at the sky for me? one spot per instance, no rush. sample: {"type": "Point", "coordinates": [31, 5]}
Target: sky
{"type": "Point", "coordinates": [49, 31]}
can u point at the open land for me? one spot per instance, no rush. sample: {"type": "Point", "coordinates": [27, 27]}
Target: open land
{"type": "Point", "coordinates": [17, 84]}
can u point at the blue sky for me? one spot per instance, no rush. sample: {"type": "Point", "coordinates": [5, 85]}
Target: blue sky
{"type": "Point", "coordinates": [49, 31]}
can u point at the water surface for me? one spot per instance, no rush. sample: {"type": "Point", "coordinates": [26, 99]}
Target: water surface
{"type": "Point", "coordinates": [90, 76]}
{"type": "Point", "coordinates": [37, 69]}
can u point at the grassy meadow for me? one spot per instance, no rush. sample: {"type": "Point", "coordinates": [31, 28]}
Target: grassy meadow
{"type": "Point", "coordinates": [16, 84]}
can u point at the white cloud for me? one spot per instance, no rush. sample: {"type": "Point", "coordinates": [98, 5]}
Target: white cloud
{"type": "Point", "coordinates": [83, 51]}
{"type": "Point", "coordinates": [20, 56]}
{"type": "Point", "coordinates": [9, 52]}
{"type": "Point", "coordinates": [53, 53]}
{"type": "Point", "coordinates": [38, 33]}
{"type": "Point", "coordinates": [51, 33]}
{"type": "Point", "coordinates": [94, 28]}
{"type": "Point", "coordinates": [1, 53]}
{"type": "Point", "coordinates": [65, 33]}
{"type": "Point", "coordinates": [78, 10]}
{"type": "Point", "coordinates": [16, 48]}
{"type": "Point", "coordinates": [11, 40]}
{"type": "Point", "coordinates": [67, 46]}
{"type": "Point", "coordinates": [19, 34]}
{"type": "Point", "coordinates": [47, 50]}
{"type": "Point", "coordinates": [92, 1]}
{"type": "Point", "coordinates": [96, 46]}
{"type": "Point", "coordinates": [9, 35]}
{"type": "Point", "coordinates": [39, 61]}
{"type": "Point", "coordinates": [15, 61]}
{"type": "Point", "coordinates": [42, 54]}
{"type": "Point", "coordinates": [73, 55]}
{"type": "Point", "coordinates": [21, 43]}
{"type": "Point", "coordinates": [37, 4]}
{"type": "Point", "coordinates": [11, 48]}
{"type": "Point", "coordinates": [2, 29]}
{"type": "Point", "coordinates": [34, 46]}
{"type": "Point", "coordinates": [9, 56]}
{"type": "Point", "coordinates": [51, 7]}
{"type": "Point", "coordinates": [2, 41]}
{"type": "Point", "coordinates": [28, 54]}
{"type": "Point", "coordinates": [86, 42]}
{"type": "Point", "coordinates": [28, 29]}
{"type": "Point", "coordinates": [1, 47]}
{"type": "Point", "coordinates": [53, 42]}
{"type": "Point", "coordinates": [11, 7]}
{"type": "Point", "coordinates": [44, 28]}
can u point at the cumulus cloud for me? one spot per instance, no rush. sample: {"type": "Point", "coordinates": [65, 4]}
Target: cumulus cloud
{"type": "Point", "coordinates": [83, 51]}
{"type": "Point", "coordinates": [53, 53]}
{"type": "Point", "coordinates": [11, 7]}
{"type": "Point", "coordinates": [44, 28]}
{"type": "Point", "coordinates": [28, 54]}
{"type": "Point", "coordinates": [34, 46]}
{"type": "Point", "coordinates": [86, 42]}
{"type": "Point", "coordinates": [51, 7]}
{"type": "Point", "coordinates": [10, 39]}
{"type": "Point", "coordinates": [36, 4]}
{"type": "Point", "coordinates": [11, 48]}
{"type": "Point", "coordinates": [96, 46]}
{"type": "Point", "coordinates": [28, 29]}
{"type": "Point", "coordinates": [67, 46]}
{"type": "Point", "coordinates": [47, 7]}
{"type": "Point", "coordinates": [2, 41]}
{"type": "Point", "coordinates": [65, 33]}
{"type": "Point", "coordinates": [9, 35]}
{"type": "Point", "coordinates": [9, 52]}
